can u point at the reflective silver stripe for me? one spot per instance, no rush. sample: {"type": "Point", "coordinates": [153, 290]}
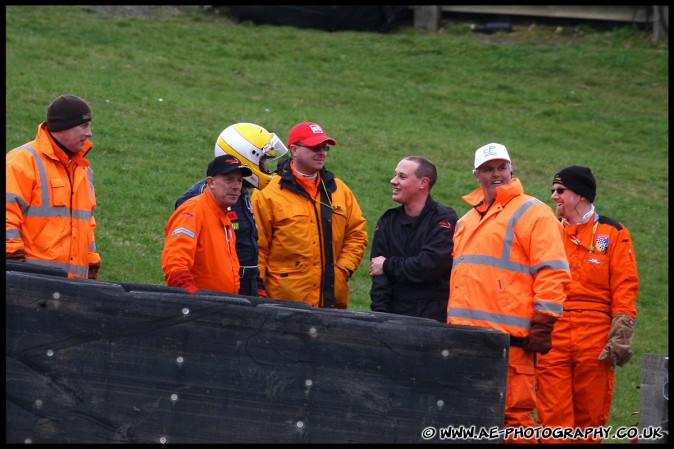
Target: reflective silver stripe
{"type": "Point", "coordinates": [42, 172]}
{"type": "Point", "coordinates": [549, 306]}
{"type": "Point", "coordinates": [14, 198]}
{"type": "Point", "coordinates": [70, 268]}
{"type": "Point", "coordinates": [46, 210]}
{"type": "Point", "coordinates": [504, 262]}
{"type": "Point", "coordinates": [508, 320]}
{"type": "Point", "coordinates": [12, 233]}
{"type": "Point", "coordinates": [92, 247]}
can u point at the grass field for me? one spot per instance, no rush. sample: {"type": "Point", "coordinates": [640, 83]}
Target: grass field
{"type": "Point", "coordinates": [162, 89]}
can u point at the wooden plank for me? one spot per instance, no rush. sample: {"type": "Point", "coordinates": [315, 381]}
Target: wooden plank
{"type": "Point", "coordinates": [427, 17]}
{"type": "Point", "coordinates": [97, 362]}
{"type": "Point", "coordinates": [618, 13]}
{"type": "Point", "coordinates": [653, 407]}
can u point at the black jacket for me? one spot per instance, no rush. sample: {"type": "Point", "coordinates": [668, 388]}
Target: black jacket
{"type": "Point", "coordinates": [418, 253]}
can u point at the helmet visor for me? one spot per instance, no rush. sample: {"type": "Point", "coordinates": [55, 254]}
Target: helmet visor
{"type": "Point", "coordinates": [272, 153]}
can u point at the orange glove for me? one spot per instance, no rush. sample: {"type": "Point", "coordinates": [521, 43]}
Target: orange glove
{"type": "Point", "coordinates": [19, 256]}
{"type": "Point", "coordinates": [93, 270]}
{"type": "Point", "coordinates": [619, 345]}
{"type": "Point", "coordinates": [183, 279]}
{"type": "Point", "coordinates": [262, 293]}
{"type": "Point", "coordinates": [540, 333]}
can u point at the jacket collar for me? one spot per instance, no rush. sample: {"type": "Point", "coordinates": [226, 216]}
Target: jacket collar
{"type": "Point", "coordinates": [503, 193]}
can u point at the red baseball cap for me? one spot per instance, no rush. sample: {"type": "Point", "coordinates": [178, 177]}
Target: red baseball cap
{"type": "Point", "coordinates": [310, 134]}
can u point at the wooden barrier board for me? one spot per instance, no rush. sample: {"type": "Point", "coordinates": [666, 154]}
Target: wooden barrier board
{"type": "Point", "coordinates": [101, 362]}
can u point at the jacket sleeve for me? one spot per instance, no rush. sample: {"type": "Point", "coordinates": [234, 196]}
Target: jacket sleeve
{"type": "Point", "coordinates": [355, 236]}
{"type": "Point", "coordinates": [435, 256]}
{"type": "Point", "coordinates": [263, 220]}
{"type": "Point", "coordinates": [548, 256]}
{"type": "Point", "coordinates": [19, 181]}
{"type": "Point", "coordinates": [624, 278]}
{"type": "Point", "coordinates": [94, 256]}
{"type": "Point", "coordinates": [180, 246]}
{"type": "Point", "coordinates": [380, 292]}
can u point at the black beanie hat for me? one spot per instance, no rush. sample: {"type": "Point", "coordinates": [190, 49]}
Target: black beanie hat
{"type": "Point", "coordinates": [67, 111]}
{"type": "Point", "coordinates": [579, 179]}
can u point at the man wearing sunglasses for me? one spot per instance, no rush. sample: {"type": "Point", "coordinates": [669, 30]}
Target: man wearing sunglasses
{"type": "Point", "coordinates": [312, 232]}
{"type": "Point", "coordinates": [509, 273]}
{"type": "Point", "coordinates": [594, 335]}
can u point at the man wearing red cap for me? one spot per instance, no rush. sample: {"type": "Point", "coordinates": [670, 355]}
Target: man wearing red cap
{"type": "Point", "coordinates": [312, 232]}
{"type": "Point", "coordinates": [594, 335]}
{"type": "Point", "coordinates": [50, 195]}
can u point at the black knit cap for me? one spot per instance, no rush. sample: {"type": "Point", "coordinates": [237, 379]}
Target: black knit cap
{"type": "Point", "coordinates": [579, 179]}
{"type": "Point", "coordinates": [67, 111]}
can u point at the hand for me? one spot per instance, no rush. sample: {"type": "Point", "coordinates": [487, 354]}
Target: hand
{"type": "Point", "coordinates": [619, 345]}
{"type": "Point", "coordinates": [93, 270]}
{"type": "Point", "coordinates": [183, 279]}
{"type": "Point", "coordinates": [262, 293]}
{"type": "Point", "coordinates": [18, 256]}
{"type": "Point", "coordinates": [377, 266]}
{"type": "Point", "coordinates": [540, 334]}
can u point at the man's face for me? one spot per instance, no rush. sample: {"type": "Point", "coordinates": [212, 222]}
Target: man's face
{"type": "Point", "coordinates": [225, 188]}
{"type": "Point", "coordinates": [492, 174]}
{"type": "Point", "coordinates": [74, 138]}
{"type": "Point", "coordinates": [566, 201]}
{"type": "Point", "coordinates": [309, 160]}
{"type": "Point", "coordinates": [406, 184]}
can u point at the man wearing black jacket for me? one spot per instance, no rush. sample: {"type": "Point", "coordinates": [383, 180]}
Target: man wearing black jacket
{"type": "Point", "coordinates": [411, 256]}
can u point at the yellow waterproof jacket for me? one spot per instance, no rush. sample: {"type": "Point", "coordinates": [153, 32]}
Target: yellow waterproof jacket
{"type": "Point", "coordinates": [507, 264]}
{"type": "Point", "coordinates": [294, 260]}
{"type": "Point", "coordinates": [50, 205]}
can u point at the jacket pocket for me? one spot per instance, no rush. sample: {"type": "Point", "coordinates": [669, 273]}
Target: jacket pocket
{"type": "Point", "coordinates": [60, 193]}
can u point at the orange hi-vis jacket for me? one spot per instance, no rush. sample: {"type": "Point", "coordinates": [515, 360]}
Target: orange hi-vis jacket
{"type": "Point", "coordinates": [50, 205]}
{"type": "Point", "coordinates": [507, 264]}
{"type": "Point", "coordinates": [606, 279]}
{"type": "Point", "coordinates": [200, 239]}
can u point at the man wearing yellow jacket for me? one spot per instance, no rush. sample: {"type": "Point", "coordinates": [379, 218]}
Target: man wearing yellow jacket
{"type": "Point", "coordinates": [50, 196]}
{"type": "Point", "coordinates": [509, 273]}
{"type": "Point", "coordinates": [312, 232]}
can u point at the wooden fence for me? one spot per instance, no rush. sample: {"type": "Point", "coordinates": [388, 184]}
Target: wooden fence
{"type": "Point", "coordinates": [429, 17]}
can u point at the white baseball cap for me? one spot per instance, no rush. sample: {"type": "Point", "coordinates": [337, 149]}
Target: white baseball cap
{"type": "Point", "coordinates": [490, 152]}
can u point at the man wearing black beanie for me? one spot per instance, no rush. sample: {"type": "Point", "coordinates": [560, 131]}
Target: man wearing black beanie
{"type": "Point", "coordinates": [50, 194]}
{"type": "Point", "coordinates": [575, 379]}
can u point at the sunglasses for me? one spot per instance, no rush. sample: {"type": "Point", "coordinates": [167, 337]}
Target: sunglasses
{"type": "Point", "coordinates": [559, 190]}
{"type": "Point", "coordinates": [316, 148]}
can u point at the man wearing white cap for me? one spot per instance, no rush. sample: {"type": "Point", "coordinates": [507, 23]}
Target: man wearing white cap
{"type": "Point", "coordinates": [509, 273]}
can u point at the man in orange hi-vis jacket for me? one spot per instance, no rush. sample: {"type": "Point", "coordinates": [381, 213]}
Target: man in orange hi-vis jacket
{"type": "Point", "coordinates": [575, 379]}
{"type": "Point", "coordinates": [509, 273]}
{"type": "Point", "coordinates": [200, 246]}
{"type": "Point", "coordinates": [50, 196]}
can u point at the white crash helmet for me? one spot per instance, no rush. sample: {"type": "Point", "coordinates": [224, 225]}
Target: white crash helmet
{"type": "Point", "coordinates": [255, 147]}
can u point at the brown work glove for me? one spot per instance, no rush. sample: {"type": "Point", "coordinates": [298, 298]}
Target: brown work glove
{"type": "Point", "coordinates": [540, 333]}
{"type": "Point", "coordinates": [93, 270]}
{"type": "Point", "coordinates": [18, 256]}
{"type": "Point", "coordinates": [183, 279]}
{"type": "Point", "coordinates": [619, 345]}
